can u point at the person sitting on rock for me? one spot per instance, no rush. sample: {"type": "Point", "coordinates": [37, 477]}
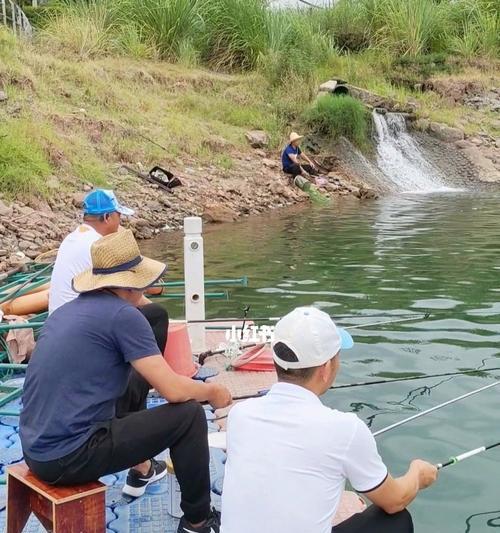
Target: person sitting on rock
{"type": "Point", "coordinates": [292, 156]}
{"type": "Point", "coordinates": [69, 430]}
{"type": "Point", "coordinates": [290, 456]}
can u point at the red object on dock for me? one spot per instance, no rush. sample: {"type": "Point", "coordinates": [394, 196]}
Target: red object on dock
{"type": "Point", "coordinates": [178, 352]}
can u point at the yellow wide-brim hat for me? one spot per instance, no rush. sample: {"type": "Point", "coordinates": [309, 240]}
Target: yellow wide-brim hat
{"type": "Point", "coordinates": [117, 264]}
{"type": "Point", "coordinates": [294, 136]}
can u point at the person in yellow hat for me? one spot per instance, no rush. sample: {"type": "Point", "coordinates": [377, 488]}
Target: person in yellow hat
{"type": "Point", "coordinates": [69, 428]}
{"type": "Point", "coordinates": [292, 159]}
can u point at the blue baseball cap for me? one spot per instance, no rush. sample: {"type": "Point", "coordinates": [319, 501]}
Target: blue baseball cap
{"type": "Point", "coordinates": [102, 201]}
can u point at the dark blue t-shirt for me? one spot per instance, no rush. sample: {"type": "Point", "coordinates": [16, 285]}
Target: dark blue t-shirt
{"type": "Point", "coordinates": [78, 370]}
{"type": "Point", "coordinates": [285, 159]}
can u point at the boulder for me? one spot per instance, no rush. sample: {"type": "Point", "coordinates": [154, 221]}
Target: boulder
{"type": "Point", "coordinates": [216, 143]}
{"type": "Point", "coordinates": [5, 210]}
{"type": "Point", "coordinates": [3, 96]}
{"type": "Point", "coordinates": [270, 163]}
{"type": "Point", "coordinates": [78, 198]}
{"type": "Point", "coordinates": [257, 138]}
{"type": "Point", "coordinates": [366, 193]}
{"type": "Point", "coordinates": [218, 213]}
{"type": "Point", "coordinates": [445, 133]}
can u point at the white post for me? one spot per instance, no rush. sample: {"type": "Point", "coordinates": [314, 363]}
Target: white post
{"type": "Point", "coordinates": [194, 280]}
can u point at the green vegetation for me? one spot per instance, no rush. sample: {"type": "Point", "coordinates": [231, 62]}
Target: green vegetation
{"type": "Point", "coordinates": [23, 165]}
{"type": "Point", "coordinates": [333, 116]}
{"type": "Point", "coordinates": [185, 71]}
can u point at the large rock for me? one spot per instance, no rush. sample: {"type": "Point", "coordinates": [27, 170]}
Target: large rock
{"type": "Point", "coordinates": [5, 210]}
{"type": "Point", "coordinates": [78, 199]}
{"type": "Point", "coordinates": [218, 213]}
{"type": "Point", "coordinates": [445, 133]}
{"type": "Point", "coordinates": [257, 138]}
{"type": "Point", "coordinates": [216, 143]}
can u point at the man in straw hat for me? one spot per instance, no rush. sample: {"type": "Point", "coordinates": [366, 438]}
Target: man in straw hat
{"type": "Point", "coordinates": [102, 215]}
{"type": "Point", "coordinates": [69, 430]}
{"type": "Point", "coordinates": [292, 157]}
{"type": "Point", "coordinates": [290, 456]}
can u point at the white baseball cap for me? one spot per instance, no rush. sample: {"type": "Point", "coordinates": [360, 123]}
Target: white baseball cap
{"type": "Point", "coordinates": [311, 335]}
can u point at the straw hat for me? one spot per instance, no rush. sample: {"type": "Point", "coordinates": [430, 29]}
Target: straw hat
{"type": "Point", "coordinates": [117, 263]}
{"type": "Point", "coordinates": [294, 136]}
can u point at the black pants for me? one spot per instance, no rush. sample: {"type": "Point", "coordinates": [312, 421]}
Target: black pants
{"type": "Point", "coordinates": [136, 435]}
{"type": "Point", "coordinates": [138, 388]}
{"type": "Point", "coordinates": [296, 170]}
{"type": "Point", "coordinates": [374, 520]}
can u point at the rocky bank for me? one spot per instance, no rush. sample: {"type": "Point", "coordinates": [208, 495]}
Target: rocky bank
{"type": "Point", "coordinates": [254, 185]}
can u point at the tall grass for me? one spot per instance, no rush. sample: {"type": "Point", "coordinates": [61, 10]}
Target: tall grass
{"type": "Point", "coordinates": [415, 27]}
{"type": "Point", "coordinates": [335, 116]}
{"type": "Point", "coordinates": [285, 44]}
{"type": "Point", "coordinates": [23, 164]}
{"type": "Point", "coordinates": [84, 28]}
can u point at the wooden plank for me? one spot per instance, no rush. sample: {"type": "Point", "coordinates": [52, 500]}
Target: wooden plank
{"type": "Point", "coordinates": [18, 508]}
{"type": "Point", "coordinates": [83, 515]}
{"type": "Point", "coordinates": [57, 495]}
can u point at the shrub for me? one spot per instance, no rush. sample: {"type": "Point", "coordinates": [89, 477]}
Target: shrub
{"type": "Point", "coordinates": [236, 33]}
{"type": "Point", "coordinates": [296, 48]}
{"type": "Point", "coordinates": [23, 164]}
{"type": "Point", "coordinates": [335, 116]}
{"type": "Point", "coordinates": [85, 28]}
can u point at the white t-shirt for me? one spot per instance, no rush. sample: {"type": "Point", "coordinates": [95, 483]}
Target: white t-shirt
{"type": "Point", "coordinates": [73, 258]}
{"type": "Point", "coordinates": [288, 457]}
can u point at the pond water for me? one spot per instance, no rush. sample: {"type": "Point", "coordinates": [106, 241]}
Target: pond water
{"type": "Point", "coordinates": [397, 255]}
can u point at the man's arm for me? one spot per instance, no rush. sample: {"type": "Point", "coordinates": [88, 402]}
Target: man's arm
{"type": "Point", "coordinates": [394, 495]}
{"type": "Point", "coordinates": [174, 388]}
{"type": "Point", "coordinates": [304, 156]}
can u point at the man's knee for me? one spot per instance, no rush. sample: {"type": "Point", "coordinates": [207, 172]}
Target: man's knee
{"type": "Point", "coordinates": [398, 522]}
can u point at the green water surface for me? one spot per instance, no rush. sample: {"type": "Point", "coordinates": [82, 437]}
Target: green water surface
{"type": "Point", "coordinates": [403, 254]}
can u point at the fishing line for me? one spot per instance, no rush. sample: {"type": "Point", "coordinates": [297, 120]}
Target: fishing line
{"type": "Point", "coordinates": [425, 315]}
{"type": "Point", "coordinates": [435, 408]}
{"type": "Point", "coordinates": [413, 378]}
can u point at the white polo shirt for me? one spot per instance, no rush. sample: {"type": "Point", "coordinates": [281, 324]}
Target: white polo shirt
{"type": "Point", "coordinates": [73, 258]}
{"type": "Point", "coordinates": [288, 457]}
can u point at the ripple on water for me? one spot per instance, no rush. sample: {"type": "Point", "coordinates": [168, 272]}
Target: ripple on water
{"type": "Point", "coordinates": [441, 254]}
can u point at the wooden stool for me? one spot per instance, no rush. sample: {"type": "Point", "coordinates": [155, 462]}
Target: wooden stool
{"type": "Point", "coordinates": [78, 509]}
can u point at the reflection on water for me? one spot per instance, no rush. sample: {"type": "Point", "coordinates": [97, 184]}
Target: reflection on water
{"type": "Point", "coordinates": [412, 254]}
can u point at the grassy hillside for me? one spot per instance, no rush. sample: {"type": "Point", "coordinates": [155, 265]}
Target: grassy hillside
{"type": "Point", "coordinates": [194, 75]}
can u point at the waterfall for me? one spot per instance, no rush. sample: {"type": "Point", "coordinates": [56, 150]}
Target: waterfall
{"type": "Point", "coordinates": [400, 158]}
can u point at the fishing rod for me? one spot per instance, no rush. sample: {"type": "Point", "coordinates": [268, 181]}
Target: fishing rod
{"type": "Point", "coordinates": [17, 292]}
{"type": "Point", "coordinates": [413, 378]}
{"type": "Point", "coordinates": [454, 460]}
{"type": "Point", "coordinates": [435, 408]}
{"type": "Point", "coordinates": [333, 317]}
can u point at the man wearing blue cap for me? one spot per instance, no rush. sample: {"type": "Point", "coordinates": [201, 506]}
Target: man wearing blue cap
{"type": "Point", "coordinates": [289, 456]}
{"type": "Point", "coordinates": [101, 217]}
{"type": "Point", "coordinates": [102, 214]}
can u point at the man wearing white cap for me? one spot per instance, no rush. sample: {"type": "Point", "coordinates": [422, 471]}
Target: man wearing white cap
{"type": "Point", "coordinates": [292, 158]}
{"type": "Point", "coordinates": [289, 456]}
